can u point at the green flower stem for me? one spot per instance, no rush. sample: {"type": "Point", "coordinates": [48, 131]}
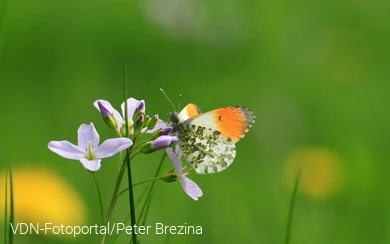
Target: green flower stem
{"type": "Point", "coordinates": [291, 210]}
{"type": "Point", "coordinates": [131, 197]}
{"type": "Point", "coordinates": [127, 220]}
{"type": "Point", "coordinates": [119, 163]}
{"type": "Point", "coordinates": [133, 154]}
{"type": "Point", "coordinates": [100, 197]}
{"type": "Point", "coordinates": [139, 183]}
{"type": "Point", "coordinates": [149, 196]}
{"type": "Point", "coordinates": [6, 225]}
{"type": "Point", "coordinates": [114, 194]}
{"type": "Point", "coordinates": [141, 144]}
{"type": "Point", "coordinates": [146, 214]}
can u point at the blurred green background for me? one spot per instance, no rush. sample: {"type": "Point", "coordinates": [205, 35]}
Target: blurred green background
{"type": "Point", "coordinates": [316, 74]}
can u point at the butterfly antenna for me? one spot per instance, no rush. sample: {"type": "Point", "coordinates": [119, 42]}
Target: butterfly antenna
{"type": "Point", "coordinates": [169, 100]}
{"type": "Point", "coordinates": [178, 106]}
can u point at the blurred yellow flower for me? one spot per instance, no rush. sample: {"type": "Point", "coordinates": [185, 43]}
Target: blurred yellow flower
{"type": "Point", "coordinates": [41, 196]}
{"type": "Point", "coordinates": [321, 172]}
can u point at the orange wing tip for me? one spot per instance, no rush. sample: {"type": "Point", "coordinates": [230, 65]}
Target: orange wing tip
{"type": "Point", "coordinates": [234, 121]}
{"type": "Point", "coordinates": [250, 119]}
{"type": "Point", "coordinates": [192, 110]}
{"type": "Point", "coordinates": [189, 111]}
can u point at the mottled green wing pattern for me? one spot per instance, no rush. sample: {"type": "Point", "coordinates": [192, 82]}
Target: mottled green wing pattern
{"type": "Point", "coordinates": [206, 149]}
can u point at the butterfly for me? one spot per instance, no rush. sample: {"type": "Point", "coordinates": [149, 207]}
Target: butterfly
{"type": "Point", "coordinates": [208, 140]}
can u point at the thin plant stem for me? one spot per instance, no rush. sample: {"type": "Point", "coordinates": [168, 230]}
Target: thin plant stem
{"type": "Point", "coordinates": [149, 196]}
{"type": "Point", "coordinates": [131, 199]}
{"type": "Point", "coordinates": [141, 143]}
{"type": "Point", "coordinates": [128, 151]}
{"type": "Point", "coordinates": [117, 237]}
{"type": "Point", "coordinates": [6, 224]}
{"type": "Point", "coordinates": [114, 194]}
{"type": "Point", "coordinates": [145, 181]}
{"type": "Point", "coordinates": [136, 184]}
{"type": "Point", "coordinates": [100, 197]}
{"type": "Point", "coordinates": [146, 214]}
{"type": "Point", "coordinates": [119, 163]}
{"type": "Point", "coordinates": [134, 153]}
{"type": "Point", "coordinates": [291, 210]}
{"type": "Point", "coordinates": [126, 221]}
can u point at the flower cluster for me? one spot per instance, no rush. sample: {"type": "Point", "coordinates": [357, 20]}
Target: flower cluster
{"type": "Point", "coordinates": [130, 125]}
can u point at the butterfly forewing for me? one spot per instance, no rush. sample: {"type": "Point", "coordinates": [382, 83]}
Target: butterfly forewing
{"type": "Point", "coordinates": [188, 111]}
{"type": "Point", "coordinates": [233, 121]}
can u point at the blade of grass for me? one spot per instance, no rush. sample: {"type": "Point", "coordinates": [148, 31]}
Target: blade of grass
{"type": "Point", "coordinates": [291, 210]}
{"type": "Point", "coordinates": [128, 152]}
{"type": "Point", "coordinates": [11, 216]}
{"type": "Point", "coordinates": [6, 224]}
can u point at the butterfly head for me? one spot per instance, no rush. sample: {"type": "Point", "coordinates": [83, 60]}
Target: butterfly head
{"type": "Point", "coordinates": [174, 119]}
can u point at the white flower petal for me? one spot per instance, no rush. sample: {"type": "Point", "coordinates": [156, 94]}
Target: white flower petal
{"type": "Point", "coordinates": [112, 146]}
{"type": "Point", "coordinates": [115, 112]}
{"type": "Point", "coordinates": [132, 105]}
{"type": "Point", "coordinates": [87, 133]}
{"type": "Point", "coordinates": [160, 125]}
{"type": "Point", "coordinates": [191, 188]}
{"type": "Point", "coordinates": [91, 165]}
{"type": "Point", "coordinates": [175, 160]}
{"type": "Point", "coordinates": [67, 149]}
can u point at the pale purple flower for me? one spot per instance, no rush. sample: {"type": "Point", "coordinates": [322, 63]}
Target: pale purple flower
{"type": "Point", "coordinates": [132, 106]}
{"type": "Point", "coordinates": [104, 109]}
{"type": "Point", "coordinates": [140, 118]}
{"type": "Point", "coordinates": [189, 186]}
{"type": "Point", "coordinates": [163, 142]}
{"type": "Point", "coordinates": [166, 130]}
{"type": "Point", "coordinates": [88, 150]}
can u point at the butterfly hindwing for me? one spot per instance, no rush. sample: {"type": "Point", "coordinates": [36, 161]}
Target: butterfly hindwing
{"type": "Point", "coordinates": [206, 149]}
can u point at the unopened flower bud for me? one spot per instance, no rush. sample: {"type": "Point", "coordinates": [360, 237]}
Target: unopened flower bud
{"type": "Point", "coordinates": [141, 106]}
{"type": "Point", "coordinates": [170, 176]}
{"type": "Point", "coordinates": [146, 121]}
{"type": "Point", "coordinates": [160, 143]}
{"type": "Point", "coordinates": [153, 121]}
{"type": "Point", "coordinates": [161, 132]}
{"type": "Point", "coordinates": [164, 142]}
{"type": "Point", "coordinates": [138, 123]}
{"type": "Point", "coordinates": [108, 116]}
